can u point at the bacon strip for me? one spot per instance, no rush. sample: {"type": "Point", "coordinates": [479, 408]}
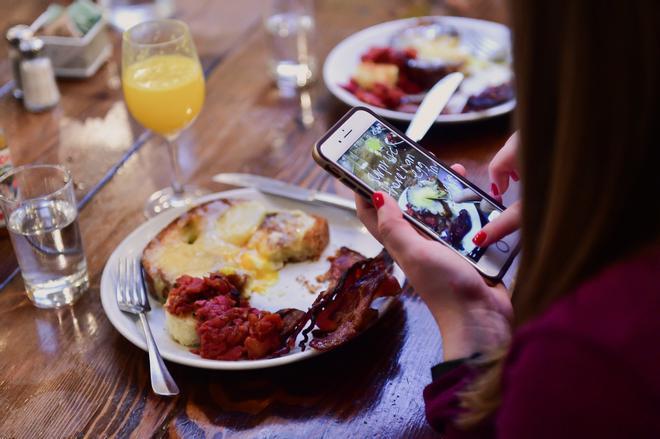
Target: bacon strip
{"type": "Point", "coordinates": [343, 259]}
{"type": "Point", "coordinates": [344, 310]}
{"type": "Point", "coordinates": [230, 329]}
{"type": "Point", "coordinates": [290, 319]}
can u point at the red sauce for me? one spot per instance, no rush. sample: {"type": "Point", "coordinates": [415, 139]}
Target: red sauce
{"type": "Point", "coordinates": [228, 328]}
{"type": "Point", "coordinates": [188, 290]}
{"type": "Point", "coordinates": [208, 309]}
{"type": "Point", "coordinates": [239, 333]}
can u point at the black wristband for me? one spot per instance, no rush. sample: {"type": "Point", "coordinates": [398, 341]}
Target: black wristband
{"type": "Point", "coordinates": [446, 366]}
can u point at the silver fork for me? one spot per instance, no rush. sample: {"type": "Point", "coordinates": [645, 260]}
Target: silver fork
{"type": "Point", "coordinates": [132, 298]}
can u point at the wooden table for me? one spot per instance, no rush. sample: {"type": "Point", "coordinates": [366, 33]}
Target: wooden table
{"type": "Point", "coordinates": [69, 373]}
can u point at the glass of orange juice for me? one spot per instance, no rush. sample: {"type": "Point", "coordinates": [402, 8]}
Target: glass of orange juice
{"type": "Point", "coordinates": [163, 86]}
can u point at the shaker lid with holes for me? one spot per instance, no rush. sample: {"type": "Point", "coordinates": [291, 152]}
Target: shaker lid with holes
{"type": "Point", "coordinates": [31, 47]}
{"type": "Point", "coordinates": [18, 33]}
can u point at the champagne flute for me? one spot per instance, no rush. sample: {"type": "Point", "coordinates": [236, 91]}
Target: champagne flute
{"type": "Point", "coordinates": [163, 85]}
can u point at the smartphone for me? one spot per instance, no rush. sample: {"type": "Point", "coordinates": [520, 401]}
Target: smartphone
{"type": "Point", "coordinates": [367, 154]}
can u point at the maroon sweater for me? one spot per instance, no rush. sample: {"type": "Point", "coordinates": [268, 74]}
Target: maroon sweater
{"type": "Point", "coordinates": [587, 367]}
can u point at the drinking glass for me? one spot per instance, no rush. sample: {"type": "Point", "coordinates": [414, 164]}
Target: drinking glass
{"type": "Point", "coordinates": [163, 86]}
{"type": "Point", "coordinates": [42, 218]}
{"type": "Point", "coordinates": [123, 14]}
{"type": "Point", "coordinates": [290, 25]}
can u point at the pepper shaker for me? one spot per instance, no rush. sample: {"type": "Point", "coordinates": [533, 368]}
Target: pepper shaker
{"type": "Point", "coordinates": [15, 35]}
{"type": "Point", "coordinates": [39, 87]}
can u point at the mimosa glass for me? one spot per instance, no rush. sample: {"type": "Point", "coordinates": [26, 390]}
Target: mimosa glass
{"type": "Point", "coordinates": [163, 86]}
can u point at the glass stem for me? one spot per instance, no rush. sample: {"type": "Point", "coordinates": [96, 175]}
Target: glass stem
{"type": "Point", "coordinates": [173, 148]}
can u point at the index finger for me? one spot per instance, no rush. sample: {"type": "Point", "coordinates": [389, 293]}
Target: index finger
{"type": "Point", "coordinates": [503, 164]}
{"type": "Point", "coordinates": [506, 223]}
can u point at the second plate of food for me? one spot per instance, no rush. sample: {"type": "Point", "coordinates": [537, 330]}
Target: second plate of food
{"type": "Point", "coordinates": [390, 66]}
{"type": "Point", "coordinates": [273, 287]}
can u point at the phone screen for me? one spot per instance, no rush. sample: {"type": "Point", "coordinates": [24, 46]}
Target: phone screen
{"type": "Point", "coordinates": [424, 189]}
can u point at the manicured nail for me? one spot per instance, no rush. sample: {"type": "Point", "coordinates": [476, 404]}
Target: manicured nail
{"type": "Point", "coordinates": [378, 199]}
{"type": "Point", "coordinates": [494, 190]}
{"type": "Point", "coordinates": [514, 176]}
{"type": "Point", "coordinates": [479, 238]}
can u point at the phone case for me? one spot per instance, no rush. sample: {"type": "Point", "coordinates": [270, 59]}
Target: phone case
{"type": "Point", "coordinates": [357, 186]}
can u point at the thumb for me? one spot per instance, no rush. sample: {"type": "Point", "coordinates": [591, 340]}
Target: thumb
{"type": "Point", "coordinates": [396, 234]}
{"type": "Point", "coordinates": [507, 222]}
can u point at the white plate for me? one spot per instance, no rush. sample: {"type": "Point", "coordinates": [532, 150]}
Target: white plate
{"type": "Point", "coordinates": [345, 230]}
{"type": "Point", "coordinates": [343, 60]}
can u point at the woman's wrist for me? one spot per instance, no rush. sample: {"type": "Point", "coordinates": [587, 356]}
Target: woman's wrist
{"type": "Point", "coordinates": [469, 327]}
{"type": "Point", "coordinates": [472, 316]}
{"type": "Point", "coordinates": [457, 340]}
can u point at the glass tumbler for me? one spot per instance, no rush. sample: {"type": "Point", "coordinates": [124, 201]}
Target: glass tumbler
{"type": "Point", "coordinates": [42, 218]}
{"type": "Point", "coordinates": [291, 29]}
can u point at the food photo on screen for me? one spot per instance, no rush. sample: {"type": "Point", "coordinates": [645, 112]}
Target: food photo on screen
{"type": "Point", "coordinates": [424, 189]}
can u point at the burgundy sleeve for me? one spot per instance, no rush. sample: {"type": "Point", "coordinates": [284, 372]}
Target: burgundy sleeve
{"type": "Point", "coordinates": [440, 397]}
{"type": "Point", "coordinates": [558, 387]}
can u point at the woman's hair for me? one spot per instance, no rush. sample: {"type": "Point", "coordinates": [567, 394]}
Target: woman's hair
{"type": "Point", "coordinates": [588, 112]}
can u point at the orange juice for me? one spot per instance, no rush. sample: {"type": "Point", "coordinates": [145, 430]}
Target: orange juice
{"type": "Point", "coordinates": [164, 92]}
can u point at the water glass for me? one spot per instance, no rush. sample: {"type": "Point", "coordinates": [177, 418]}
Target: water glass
{"type": "Point", "coordinates": [290, 27]}
{"type": "Point", "coordinates": [42, 218]}
{"type": "Point", "coordinates": [124, 14]}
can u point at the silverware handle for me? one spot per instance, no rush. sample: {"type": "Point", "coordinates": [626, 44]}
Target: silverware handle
{"type": "Point", "coordinates": [334, 200]}
{"type": "Point", "coordinates": [161, 380]}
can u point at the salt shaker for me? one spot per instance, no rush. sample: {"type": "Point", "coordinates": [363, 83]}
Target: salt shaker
{"type": "Point", "coordinates": [15, 35]}
{"type": "Point", "coordinates": [39, 87]}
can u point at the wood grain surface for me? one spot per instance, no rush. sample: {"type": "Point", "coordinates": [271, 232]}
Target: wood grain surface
{"type": "Point", "coordinates": [69, 373]}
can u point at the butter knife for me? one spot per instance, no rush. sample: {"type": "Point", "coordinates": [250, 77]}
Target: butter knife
{"type": "Point", "coordinates": [432, 104]}
{"type": "Point", "coordinates": [281, 189]}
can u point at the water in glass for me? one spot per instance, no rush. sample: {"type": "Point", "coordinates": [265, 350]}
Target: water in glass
{"type": "Point", "coordinates": [48, 247]}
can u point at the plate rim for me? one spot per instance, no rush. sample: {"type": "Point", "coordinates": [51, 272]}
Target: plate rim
{"type": "Point", "coordinates": [137, 337]}
{"type": "Point", "coordinates": [350, 99]}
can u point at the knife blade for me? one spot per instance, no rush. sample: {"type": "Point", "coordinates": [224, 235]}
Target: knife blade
{"type": "Point", "coordinates": [432, 104]}
{"type": "Point", "coordinates": [282, 189]}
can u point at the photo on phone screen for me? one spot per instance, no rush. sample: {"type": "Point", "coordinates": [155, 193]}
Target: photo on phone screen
{"type": "Point", "coordinates": [424, 189]}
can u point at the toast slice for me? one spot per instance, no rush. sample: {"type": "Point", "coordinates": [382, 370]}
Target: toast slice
{"type": "Point", "coordinates": [205, 239]}
{"type": "Point", "coordinates": [232, 236]}
{"type": "Point", "coordinates": [182, 329]}
{"type": "Point", "coordinates": [291, 236]}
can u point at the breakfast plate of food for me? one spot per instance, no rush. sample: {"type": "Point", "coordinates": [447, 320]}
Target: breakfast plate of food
{"type": "Point", "coordinates": [244, 280]}
{"type": "Point", "coordinates": [389, 67]}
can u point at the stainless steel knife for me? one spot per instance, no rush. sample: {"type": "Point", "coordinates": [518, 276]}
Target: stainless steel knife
{"type": "Point", "coordinates": [286, 190]}
{"type": "Point", "coordinates": [432, 104]}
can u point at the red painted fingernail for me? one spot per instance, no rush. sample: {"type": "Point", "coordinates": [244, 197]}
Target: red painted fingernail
{"type": "Point", "coordinates": [514, 176]}
{"type": "Point", "coordinates": [479, 238]}
{"type": "Point", "coordinates": [378, 199]}
{"type": "Point", "coordinates": [494, 190]}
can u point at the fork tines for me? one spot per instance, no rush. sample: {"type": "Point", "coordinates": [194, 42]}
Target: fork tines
{"type": "Point", "coordinates": [131, 291]}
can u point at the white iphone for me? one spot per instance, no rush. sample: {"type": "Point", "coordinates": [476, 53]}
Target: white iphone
{"type": "Point", "coordinates": [367, 154]}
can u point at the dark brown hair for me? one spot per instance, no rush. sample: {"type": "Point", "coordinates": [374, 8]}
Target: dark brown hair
{"type": "Point", "coordinates": [588, 90]}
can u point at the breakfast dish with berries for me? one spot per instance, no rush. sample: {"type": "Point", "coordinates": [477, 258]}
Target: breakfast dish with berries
{"type": "Point", "coordinates": [390, 67]}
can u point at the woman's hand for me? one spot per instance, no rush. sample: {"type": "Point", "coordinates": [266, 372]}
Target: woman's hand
{"type": "Point", "coordinates": [502, 168]}
{"type": "Point", "coordinates": [472, 316]}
